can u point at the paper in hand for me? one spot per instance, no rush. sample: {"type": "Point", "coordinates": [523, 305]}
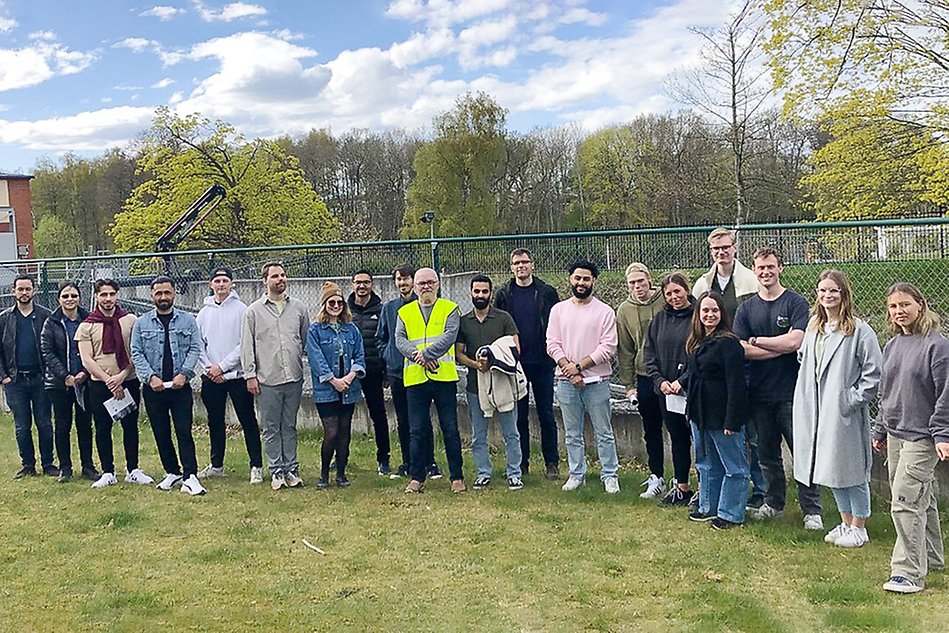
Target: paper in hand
{"type": "Point", "coordinates": [118, 409]}
{"type": "Point", "coordinates": [675, 403]}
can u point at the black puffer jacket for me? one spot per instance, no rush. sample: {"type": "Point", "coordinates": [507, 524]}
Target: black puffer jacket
{"type": "Point", "coordinates": [718, 396]}
{"type": "Point", "coordinates": [664, 355]}
{"type": "Point", "coordinates": [53, 344]}
{"type": "Point", "coordinates": [8, 338]}
{"type": "Point", "coordinates": [366, 319]}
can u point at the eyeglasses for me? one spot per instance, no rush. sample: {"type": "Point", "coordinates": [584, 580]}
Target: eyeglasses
{"type": "Point", "coordinates": [362, 283]}
{"type": "Point", "coordinates": [335, 303]}
{"type": "Point", "coordinates": [68, 296]}
{"type": "Point", "coordinates": [720, 248]}
{"type": "Point", "coordinates": [430, 282]}
{"type": "Point", "coordinates": [522, 262]}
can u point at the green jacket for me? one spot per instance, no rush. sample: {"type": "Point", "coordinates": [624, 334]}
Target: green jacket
{"type": "Point", "coordinates": [632, 325]}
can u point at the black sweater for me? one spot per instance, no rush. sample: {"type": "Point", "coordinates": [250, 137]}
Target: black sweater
{"type": "Point", "coordinates": [664, 355]}
{"type": "Point", "coordinates": [718, 396]}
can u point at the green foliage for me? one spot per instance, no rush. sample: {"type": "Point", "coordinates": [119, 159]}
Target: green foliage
{"type": "Point", "coordinates": [54, 238]}
{"type": "Point", "coordinates": [268, 201]}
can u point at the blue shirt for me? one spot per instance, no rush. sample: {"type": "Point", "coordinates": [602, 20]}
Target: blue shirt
{"type": "Point", "coordinates": [27, 352]}
{"type": "Point", "coordinates": [524, 311]}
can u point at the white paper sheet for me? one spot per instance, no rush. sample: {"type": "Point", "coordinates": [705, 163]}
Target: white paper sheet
{"type": "Point", "coordinates": [675, 404]}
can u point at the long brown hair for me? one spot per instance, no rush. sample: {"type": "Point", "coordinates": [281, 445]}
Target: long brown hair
{"type": "Point", "coordinates": [344, 317]}
{"type": "Point", "coordinates": [847, 324]}
{"type": "Point", "coordinates": [698, 334]}
{"type": "Point", "coordinates": [926, 322]}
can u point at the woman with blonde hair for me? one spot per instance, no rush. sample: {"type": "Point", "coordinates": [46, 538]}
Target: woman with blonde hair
{"type": "Point", "coordinates": [334, 348]}
{"type": "Point", "coordinates": [913, 429]}
{"type": "Point", "coordinates": [838, 379]}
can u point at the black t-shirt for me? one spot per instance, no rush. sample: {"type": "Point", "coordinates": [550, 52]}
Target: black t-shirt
{"type": "Point", "coordinates": [772, 380]}
{"type": "Point", "coordinates": [167, 361]}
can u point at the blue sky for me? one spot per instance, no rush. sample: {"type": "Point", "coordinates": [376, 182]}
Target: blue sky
{"type": "Point", "coordinates": [84, 76]}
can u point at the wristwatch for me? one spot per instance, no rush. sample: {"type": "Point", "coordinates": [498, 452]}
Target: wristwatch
{"type": "Point", "coordinates": [577, 365]}
{"type": "Point", "coordinates": [753, 341]}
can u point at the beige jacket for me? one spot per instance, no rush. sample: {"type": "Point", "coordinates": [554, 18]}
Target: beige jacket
{"type": "Point", "coordinates": [273, 344]}
{"type": "Point", "coordinates": [504, 383]}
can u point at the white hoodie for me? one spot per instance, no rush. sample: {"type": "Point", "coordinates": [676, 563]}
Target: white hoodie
{"type": "Point", "coordinates": [220, 326]}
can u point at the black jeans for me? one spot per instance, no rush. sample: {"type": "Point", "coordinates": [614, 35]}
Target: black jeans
{"type": "Point", "coordinates": [420, 397]}
{"type": "Point", "coordinates": [651, 413]}
{"type": "Point", "coordinates": [773, 421]}
{"type": "Point", "coordinates": [540, 377]}
{"type": "Point", "coordinates": [29, 404]}
{"type": "Point", "coordinates": [99, 393]}
{"type": "Point", "coordinates": [680, 437]}
{"type": "Point", "coordinates": [337, 419]}
{"type": "Point", "coordinates": [214, 396]}
{"type": "Point", "coordinates": [401, 404]}
{"type": "Point", "coordinates": [64, 407]}
{"type": "Point", "coordinates": [163, 407]}
{"type": "Point", "coordinates": [376, 403]}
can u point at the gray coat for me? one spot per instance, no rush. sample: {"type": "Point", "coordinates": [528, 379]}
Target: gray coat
{"type": "Point", "coordinates": [832, 409]}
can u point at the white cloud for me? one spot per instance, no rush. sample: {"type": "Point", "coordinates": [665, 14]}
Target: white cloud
{"type": "Point", "coordinates": [137, 44]}
{"type": "Point", "coordinates": [162, 12]}
{"type": "Point", "coordinates": [7, 24]}
{"type": "Point", "coordinates": [86, 131]}
{"type": "Point", "coordinates": [421, 47]}
{"type": "Point", "coordinates": [230, 12]}
{"type": "Point", "coordinates": [35, 64]}
{"type": "Point", "coordinates": [580, 15]}
{"type": "Point", "coordinates": [444, 12]}
{"type": "Point", "coordinates": [164, 83]}
{"type": "Point", "coordinates": [126, 88]}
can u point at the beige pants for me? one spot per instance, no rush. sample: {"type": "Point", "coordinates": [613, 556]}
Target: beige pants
{"type": "Point", "coordinates": [918, 545]}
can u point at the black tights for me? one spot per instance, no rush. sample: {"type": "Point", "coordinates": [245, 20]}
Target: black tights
{"type": "Point", "coordinates": [337, 419]}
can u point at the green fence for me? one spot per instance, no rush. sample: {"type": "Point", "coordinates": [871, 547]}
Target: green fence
{"type": "Point", "coordinates": [873, 253]}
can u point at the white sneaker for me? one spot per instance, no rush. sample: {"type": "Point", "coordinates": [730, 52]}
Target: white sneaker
{"type": "Point", "coordinates": [192, 486]}
{"type": "Point", "coordinates": [256, 475]}
{"type": "Point", "coordinates": [853, 537]}
{"type": "Point", "coordinates": [106, 479]}
{"type": "Point", "coordinates": [767, 512]}
{"type": "Point", "coordinates": [655, 488]}
{"type": "Point", "coordinates": [169, 482]}
{"type": "Point", "coordinates": [813, 522]}
{"type": "Point", "coordinates": [836, 533]}
{"type": "Point", "coordinates": [277, 481]}
{"type": "Point", "coordinates": [210, 471]}
{"type": "Point", "coordinates": [293, 479]}
{"type": "Point", "coordinates": [611, 485]}
{"type": "Point", "coordinates": [136, 476]}
{"type": "Point", "coordinates": [572, 484]}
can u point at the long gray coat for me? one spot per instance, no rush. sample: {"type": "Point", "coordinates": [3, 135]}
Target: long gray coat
{"type": "Point", "coordinates": [832, 410]}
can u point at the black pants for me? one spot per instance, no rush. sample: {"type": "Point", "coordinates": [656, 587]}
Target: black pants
{"type": "Point", "coordinates": [376, 403]}
{"type": "Point", "coordinates": [337, 419]}
{"type": "Point", "coordinates": [401, 403]}
{"type": "Point", "coordinates": [420, 399]}
{"type": "Point", "coordinates": [163, 407]}
{"type": "Point", "coordinates": [64, 404]}
{"type": "Point", "coordinates": [651, 414]}
{"type": "Point", "coordinates": [540, 377]}
{"type": "Point", "coordinates": [773, 422]}
{"type": "Point", "coordinates": [680, 437]}
{"type": "Point", "coordinates": [99, 393]}
{"type": "Point", "coordinates": [214, 396]}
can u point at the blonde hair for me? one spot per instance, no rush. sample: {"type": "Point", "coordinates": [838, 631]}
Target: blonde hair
{"type": "Point", "coordinates": [636, 267]}
{"type": "Point", "coordinates": [847, 324]}
{"type": "Point", "coordinates": [722, 232]}
{"type": "Point", "coordinates": [926, 322]}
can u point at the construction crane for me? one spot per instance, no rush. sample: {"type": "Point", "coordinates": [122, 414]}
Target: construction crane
{"type": "Point", "coordinates": [190, 219]}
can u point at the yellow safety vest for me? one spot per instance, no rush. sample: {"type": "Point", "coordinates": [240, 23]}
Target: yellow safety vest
{"type": "Point", "coordinates": [420, 334]}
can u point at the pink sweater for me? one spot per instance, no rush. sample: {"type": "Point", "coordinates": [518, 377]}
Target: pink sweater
{"type": "Point", "coordinates": [578, 330]}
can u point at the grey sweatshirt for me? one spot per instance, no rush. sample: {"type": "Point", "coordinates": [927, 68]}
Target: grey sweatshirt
{"type": "Point", "coordinates": [439, 346]}
{"type": "Point", "coordinates": [914, 388]}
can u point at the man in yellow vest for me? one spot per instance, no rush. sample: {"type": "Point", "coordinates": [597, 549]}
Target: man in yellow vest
{"type": "Point", "coordinates": [425, 335]}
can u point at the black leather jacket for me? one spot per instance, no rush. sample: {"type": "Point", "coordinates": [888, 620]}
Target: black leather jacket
{"type": "Point", "coordinates": [55, 349]}
{"type": "Point", "coordinates": [8, 338]}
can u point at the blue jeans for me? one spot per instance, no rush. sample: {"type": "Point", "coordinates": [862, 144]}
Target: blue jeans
{"type": "Point", "coordinates": [854, 500]}
{"type": "Point", "coordinates": [479, 438]}
{"type": "Point", "coordinates": [29, 403]}
{"type": "Point", "coordinates": [422, 438]}
{"type": "Point", "coordinates": [723, 473]}
{"type": "Point", "coordinates": [595, 401]}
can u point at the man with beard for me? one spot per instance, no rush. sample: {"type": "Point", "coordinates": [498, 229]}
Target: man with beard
{"type": "Point", "coordinates": [581, 339]}
{"type": "Point", "coordinates": [21, 373]}
{"type": "Point", "coordinates": [481, 327]}
{"type": "Point", "coordinates": [366, 307]}
{"type": "Point", "coordinates": [529, 301]}
{"type": "Point", "coordinates": [273, 342]}
{"type": "Point", "coordinates": [166, 345]}
{"type": "Point", "coordinates": [425, 334]}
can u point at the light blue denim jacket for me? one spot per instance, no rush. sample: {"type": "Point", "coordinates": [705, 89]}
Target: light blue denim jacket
{"type": "Point", "coordinates": [148, 342]}
{"type": "Point", "coordinates": [324, 342]}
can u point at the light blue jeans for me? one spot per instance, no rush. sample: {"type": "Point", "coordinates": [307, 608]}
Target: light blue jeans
{"type": "Point", "coordinates": [479, 438]}
{"type": "Point", "coordinates": [723, 473]}
{"type": "Point", "coordinates": [595, 401]}
{"type": "Point", "coordinates": [854, 500]}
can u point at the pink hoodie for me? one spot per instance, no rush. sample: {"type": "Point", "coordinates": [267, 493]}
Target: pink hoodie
{"type": "Point", "coordinates": [578, 330]}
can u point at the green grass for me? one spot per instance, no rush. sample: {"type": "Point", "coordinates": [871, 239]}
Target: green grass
{"type": "Point", "coordinates": [135, 559]}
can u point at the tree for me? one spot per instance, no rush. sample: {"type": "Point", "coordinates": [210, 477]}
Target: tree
{"type": "Point", "coordinates": [54, 238]}
{"type": "Point", "coordinates": [268, 200]}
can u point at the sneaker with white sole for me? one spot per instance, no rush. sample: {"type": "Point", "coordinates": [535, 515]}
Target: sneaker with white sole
{"type": "Point", "coordinates": [192, 486]}
{"type": "Point", "coordinates": [210, 471]}
{"type": "Point", "coordinates": [170, 481]}
{"type": "Point", "coordinates": [136, 476]}
{"type": "Point", "coordinates": [514, 483]}
{"type": "Point", "coordinates": [481, 482]}
{"type": "Point", "coordinates": [278, 481]}
{"type": "Point", "coordinates": [293, 479]}
{"type": "Point", "coordinates": [813, 522]}
{"type": "Point", "coordinates": [655, 487]}
{"type": "Point", "coordinates": [611, 485]}
{"type": "Point", "coordinates": [853, 537]}
{"type": "Point", "coordinates": [901, 584]}
{"type": "Point", "coordinates": [836, 533]}
{"type": "Point", "coordinates": [767, 512]}
{"type": "Point", "coordinates": [572, 483]}
{"type": "Point", "coordinates": [256, 475]}
{"type": "Point", "coordinates": [105, 479]}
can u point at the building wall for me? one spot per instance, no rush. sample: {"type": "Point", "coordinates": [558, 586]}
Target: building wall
{"type": "Point", "coordinates": [20, 200]}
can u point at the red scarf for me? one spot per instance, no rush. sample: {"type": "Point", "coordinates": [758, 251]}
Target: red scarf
{"type": "Point", "coordinates": [112, 341]}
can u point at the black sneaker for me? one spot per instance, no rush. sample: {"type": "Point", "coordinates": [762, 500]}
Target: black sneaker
{"type": "Point", "coordinates": [552, 471]}
{"type": "Point", "coordinates": [700, 517]}
{"type": "Point", "coordinates": [719, 523]}
{"type": "Point", "coordinates": [90, 473]}
{"type": "Point", "coordinates": [322, 484]}
{"type": "Point", "coordinates": [64, 476]}
{"type": "Point", "coordinates": [754, 503]}
{"type": "Point", "coordinates": [342, 481]}
{"type": "Point", "coordinates": [676, 497]}
{"type": "Point", "coordinates": [694, 502]}
{"type": "Point", "coordinates": [481, 483]}
{"type": "Point", "coordinates": [514, 483]}
{"type": "Point", "coordinates": [51, 471]}
{"type": "Point", "coordinates": [434, 472]}
{"type": "Point", "coordinates": [400, 472]}
{"type": "Point", "coordinates": [384, 469]}
{"type": "Point", "coordinates": [25, 472]}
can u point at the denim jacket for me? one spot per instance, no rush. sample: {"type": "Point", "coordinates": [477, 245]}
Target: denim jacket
{"type": "Point", "coordinates": [325, 343]}
{"type": "Point", "coordinates": [148, 342]}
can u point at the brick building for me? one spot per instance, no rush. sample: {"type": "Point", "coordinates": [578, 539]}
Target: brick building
{"type": "Point", "coordinates": [16, 217]}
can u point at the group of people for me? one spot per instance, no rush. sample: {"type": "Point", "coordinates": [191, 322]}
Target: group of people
{"type": "Point", "coordinates": [732, 366]}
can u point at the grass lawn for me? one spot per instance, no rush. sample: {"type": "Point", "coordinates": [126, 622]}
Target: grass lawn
{"type": "Point", "coordinates": [132, 558]}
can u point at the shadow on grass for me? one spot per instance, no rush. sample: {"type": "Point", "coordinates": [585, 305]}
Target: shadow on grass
{"type": "Point", "coordinates": [865, 619]}
{"type": "Point", "coordinates": [842, 591]}
{"type": "Point", "coordinates": [715, 608]}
